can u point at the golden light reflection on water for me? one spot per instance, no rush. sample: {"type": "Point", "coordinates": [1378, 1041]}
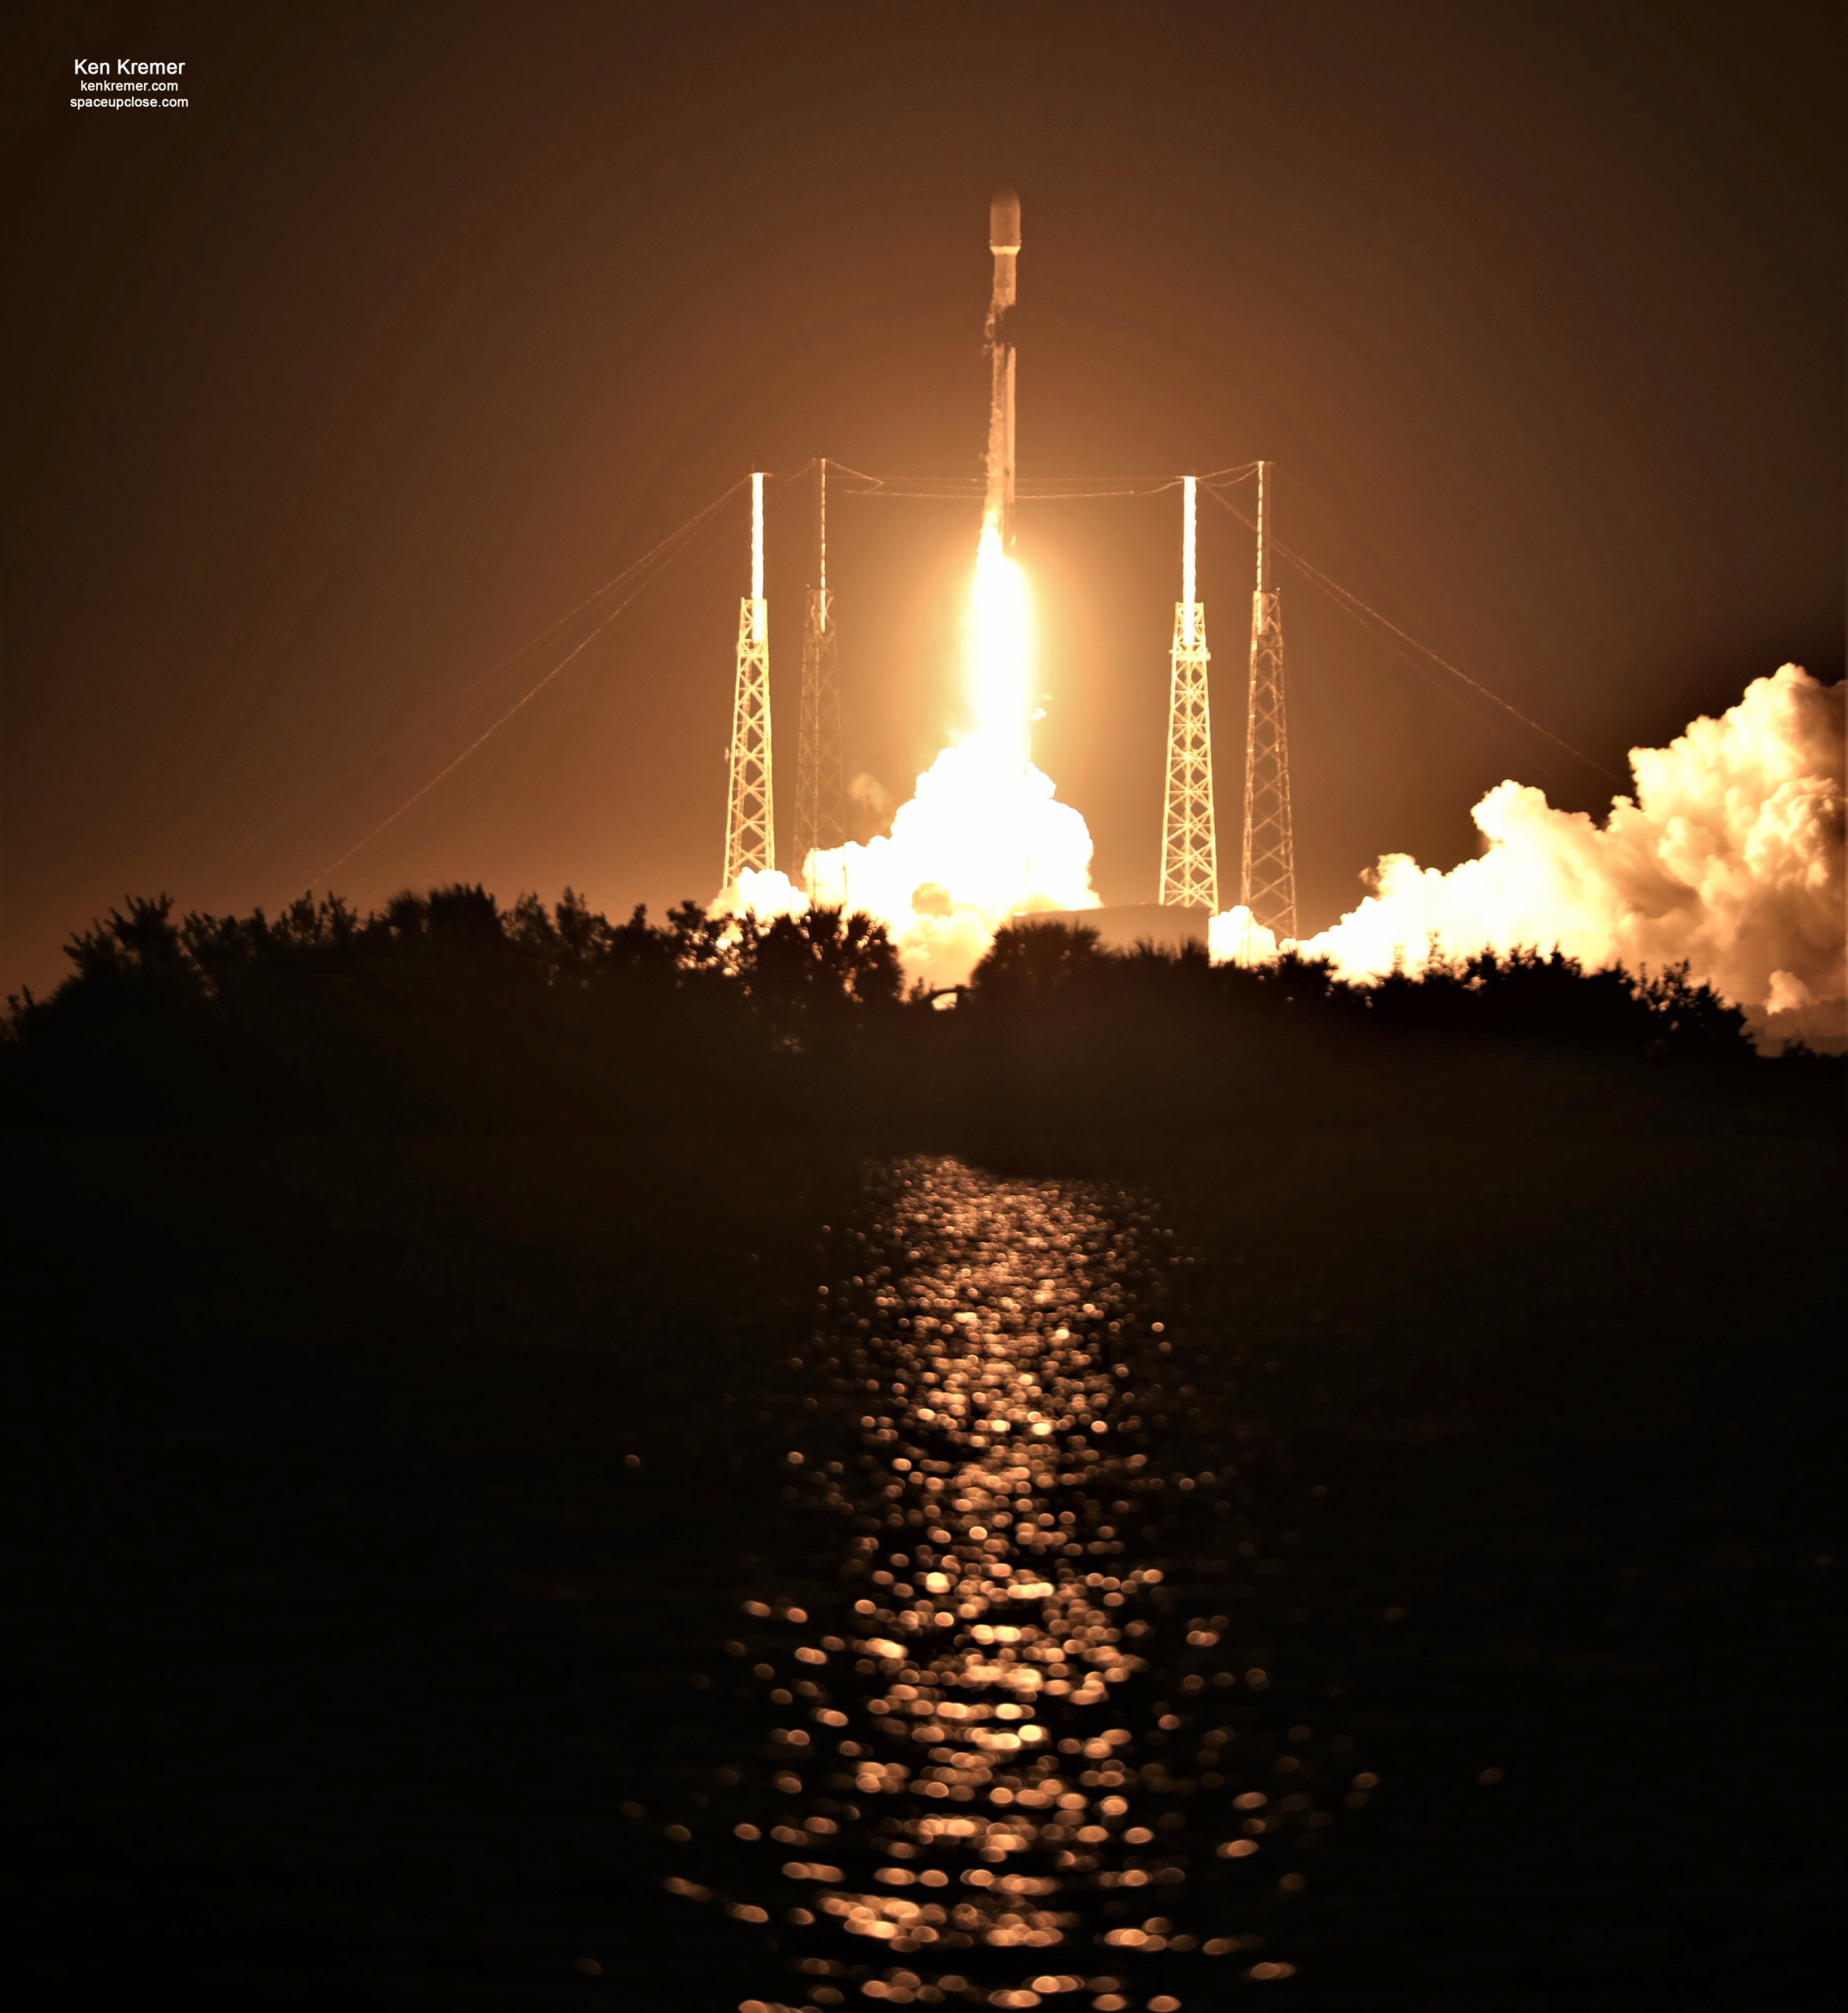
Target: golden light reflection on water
{"type": "Point", "coordinates": [1009, 1769]}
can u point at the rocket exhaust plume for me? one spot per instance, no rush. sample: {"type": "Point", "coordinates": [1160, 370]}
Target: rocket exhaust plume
{"type": "Point", "coordinates": [1729, 857]}
{"type": "Point", "coordinates": [982, 838]}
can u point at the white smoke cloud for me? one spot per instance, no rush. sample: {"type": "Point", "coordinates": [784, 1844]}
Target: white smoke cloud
{"type": "Point", "coordinates": [1236, 937]}
{"type": "Point", "coordinates": [1729, 855]}
{"type": "Point", "coordinates": [870, 794]}
{"type": "Point", "coordinates": [765, 892]}
{"type": "Point", "coordinates": [982, 838]}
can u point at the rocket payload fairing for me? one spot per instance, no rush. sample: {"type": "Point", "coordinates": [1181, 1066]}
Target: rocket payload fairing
{"type": "Point", "coordinates": [1004, 242]}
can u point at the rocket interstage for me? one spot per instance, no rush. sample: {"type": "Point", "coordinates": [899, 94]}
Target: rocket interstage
{"type": "Point", "coordinates": [1004, 243]}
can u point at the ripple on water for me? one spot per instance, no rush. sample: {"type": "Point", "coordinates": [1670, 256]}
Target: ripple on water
{"type": "Point", "coordinates": [1007, 1769]}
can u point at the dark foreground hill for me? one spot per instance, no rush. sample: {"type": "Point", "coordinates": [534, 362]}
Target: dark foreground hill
{"type": "Point", "coordinates": [396, 1428]}
{"type": "Point", "coordinates": [444, 1010]}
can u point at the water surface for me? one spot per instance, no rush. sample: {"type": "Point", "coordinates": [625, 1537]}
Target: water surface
{"type": "Point", "coordinates": [1009, 1768]}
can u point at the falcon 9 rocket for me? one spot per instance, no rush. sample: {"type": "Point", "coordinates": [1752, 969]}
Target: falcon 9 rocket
{"type": "Point", "coordinates": [1004, 242]}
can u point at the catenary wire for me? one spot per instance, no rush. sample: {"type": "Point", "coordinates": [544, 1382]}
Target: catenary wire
{"type": "Point", "coordinates": [644, 570]}
{"type": "Point", "coordinates": [680, 541]}
{"type": "Point", "coordinates": [666, 550]}
{"type": "Point", "coordinates": [1352, 605]}
{"type": "Point", "coordinates": [1028, 489]}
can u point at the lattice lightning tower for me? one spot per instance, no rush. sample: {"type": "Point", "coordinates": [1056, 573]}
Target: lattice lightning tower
{"type": "Point", "coordinates": [1190, 864]}
{"type": "Point", "coordinates": [750, 826]}
{"type": "Point", "coordinates": [819, 824]}
{"type": "Point", "coordinates": [1267, 887]}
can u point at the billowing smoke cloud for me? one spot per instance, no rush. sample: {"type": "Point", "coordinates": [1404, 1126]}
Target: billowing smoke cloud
{"type": "Point", "coordinates": [1729, 855]}
{"type": "Point", "coordinates": [981, 839]}
{"type": "Point", "coordinates": [870, 794]}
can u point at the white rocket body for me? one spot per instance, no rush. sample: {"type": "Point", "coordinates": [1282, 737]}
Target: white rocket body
{"type": "Point", "coordinates": [1004, 243]}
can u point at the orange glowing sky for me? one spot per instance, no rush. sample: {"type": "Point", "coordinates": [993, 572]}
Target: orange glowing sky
{"type": "Point", "coordinates": [341, 390]}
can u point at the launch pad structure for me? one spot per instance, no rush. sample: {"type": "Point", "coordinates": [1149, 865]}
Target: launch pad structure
{"type": "Point", "coordinates": [1189, 856]}
{"type": "Point", "coordinates": [1267, 882]}
{"type": "Point", "coordinates": [1189, 881]}
{"type": "Point", "coordinates": [750, 819]}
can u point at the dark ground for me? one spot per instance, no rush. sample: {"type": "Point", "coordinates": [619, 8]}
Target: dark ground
{"type": "Point", "coordinates": [341, 1628]}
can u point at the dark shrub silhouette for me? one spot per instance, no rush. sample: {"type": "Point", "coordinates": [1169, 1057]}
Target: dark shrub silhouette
{"type": "Point", "coordinates": [443, 1009]}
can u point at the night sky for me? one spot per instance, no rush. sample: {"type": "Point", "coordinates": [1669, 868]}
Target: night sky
{"type": "Point", "coordinates": [421, 322]}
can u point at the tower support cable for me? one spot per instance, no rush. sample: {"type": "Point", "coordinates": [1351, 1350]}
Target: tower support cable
{"type": "Point", "coordinates": [1190, 859]}
{"type": "Point", "coordinates": [750, 816]}
{"type": "Point", "coordinates": [1267, 882]}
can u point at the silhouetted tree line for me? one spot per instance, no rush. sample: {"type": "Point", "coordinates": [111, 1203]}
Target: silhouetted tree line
{"type": "Point", "coordinates": [1524, 995]}
{"type": "Point", "coordinates": [446, 1009]}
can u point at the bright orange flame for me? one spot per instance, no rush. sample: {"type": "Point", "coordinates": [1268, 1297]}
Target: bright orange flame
{"type": "Point", "coordinates": [1000, 646]}
{"type": "Point", "coordinates": [982, 838]}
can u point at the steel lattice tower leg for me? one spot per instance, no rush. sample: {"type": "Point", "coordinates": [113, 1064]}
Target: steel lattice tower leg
{"type": "Point", "coordinates": [1190, 859]}
{"type": "Point", "coordinates": [819, 778]}
{"type": "Point", "coordinates": [1267, 887]}
{"type": "Point", "coordinates": [750, 819]}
